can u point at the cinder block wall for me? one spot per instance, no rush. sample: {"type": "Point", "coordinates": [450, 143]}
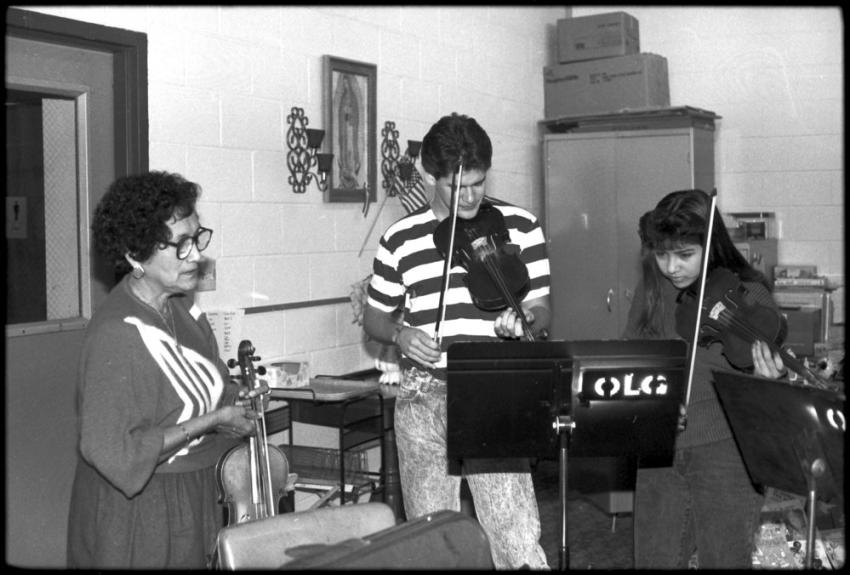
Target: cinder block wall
{"type": "Point", "coordinates": [223, 80]}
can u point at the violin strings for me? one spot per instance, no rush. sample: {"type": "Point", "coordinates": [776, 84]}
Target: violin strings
{"type": "Point", "coordinates": [499, 278]}
{"type": "Point", "coordinates": [728, 319]}
{"type": "Point", "coordinates": [753, 334]}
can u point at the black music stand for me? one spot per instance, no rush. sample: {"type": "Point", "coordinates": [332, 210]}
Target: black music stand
{"type": "Point", "coordinates": [791, 437]}
{"type": "Point", "coordinates": [599, 398]}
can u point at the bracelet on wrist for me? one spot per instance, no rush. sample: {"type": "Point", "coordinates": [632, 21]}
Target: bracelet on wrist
{"type": "Point", "coordinates": [396, 332]}
{"type": "Point", "coordinates": [186, 433]}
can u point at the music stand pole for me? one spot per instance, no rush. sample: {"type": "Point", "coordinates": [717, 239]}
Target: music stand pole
{"type": "Point", "coordinates": [814, 466]}
{"type": "Point", "coordinates": [818, 468]}
{"type": "Point", "coordinates": [563, 425]}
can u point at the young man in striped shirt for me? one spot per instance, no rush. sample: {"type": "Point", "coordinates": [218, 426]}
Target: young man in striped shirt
{"type": "Point", "coordinates": [408, 276]}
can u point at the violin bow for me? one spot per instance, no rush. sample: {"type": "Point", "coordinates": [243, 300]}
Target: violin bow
{"type": "Point", "coordinates": [447, 266]}
{"type": "Point", "coordinates": [372, 227]}
{"type": "Point", "coordinates": [713, 196]}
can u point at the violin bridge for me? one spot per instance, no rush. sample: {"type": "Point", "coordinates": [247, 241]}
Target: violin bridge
{"type": "Point", "coordinates": [717, 311]}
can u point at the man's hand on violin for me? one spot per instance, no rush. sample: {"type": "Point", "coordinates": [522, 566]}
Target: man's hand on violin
{"type": "Point", "coordinates": [418, 346]}
{"type": "Point", "coordinates": [766, 363]}
{"type": "Point", "coordinates": [509, 325]}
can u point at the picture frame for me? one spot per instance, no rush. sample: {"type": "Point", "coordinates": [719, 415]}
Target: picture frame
{"type": "Point", "coordinates": [351, 128]}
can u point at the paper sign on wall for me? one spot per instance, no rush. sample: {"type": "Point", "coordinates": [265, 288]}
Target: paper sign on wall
{"type": "Point", "coordinates": [227, 327]}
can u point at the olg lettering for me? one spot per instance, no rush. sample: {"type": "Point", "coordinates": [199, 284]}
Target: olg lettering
{"type": "Point", "coordinates": [630, 386]}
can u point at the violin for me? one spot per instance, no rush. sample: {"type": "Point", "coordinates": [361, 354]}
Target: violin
{"type": "Point", "coordinates": [495, 274]}
{"type": "Point", "coordinates": [252, 476]}
{"type": "Point", "coordinates": [496, 277]}
{"type": "Point", "coordinates": [731, 316]}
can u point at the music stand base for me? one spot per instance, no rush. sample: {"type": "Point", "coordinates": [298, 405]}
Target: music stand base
{"type": "Point", "coordinates": [563, 424]}
{"type": "Point", "coordinates": [564, 549]}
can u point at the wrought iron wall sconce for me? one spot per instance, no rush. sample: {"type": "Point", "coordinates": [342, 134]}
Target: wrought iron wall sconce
{"type": "Point", "coordinates": [393, 164]}
{"type": "Point", "coordinates": [303, 155]}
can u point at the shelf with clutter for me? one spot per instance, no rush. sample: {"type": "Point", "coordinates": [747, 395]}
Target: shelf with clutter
{"type": "Point", "coordinates": [812, 304]}
{"type": "Point", "coordinates": [814, 309]}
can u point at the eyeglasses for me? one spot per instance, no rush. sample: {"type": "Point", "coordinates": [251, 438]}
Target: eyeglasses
{"type": "Point", "coordinates": [201, 239]}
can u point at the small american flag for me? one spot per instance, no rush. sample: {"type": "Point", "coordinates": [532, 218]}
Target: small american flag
{"type": "Point", "coordinates": [412, 194]}
{"type": "Point", "coordinates": [413, 198]}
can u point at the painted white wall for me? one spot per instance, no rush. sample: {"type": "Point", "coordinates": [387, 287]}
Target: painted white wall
{"type": "Point", "coordinates": [223, 79]}
{"type": "Point", "coordinates": [775, 75]}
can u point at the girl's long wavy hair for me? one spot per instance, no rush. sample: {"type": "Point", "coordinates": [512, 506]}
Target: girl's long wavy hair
{"type": "Point", "coordinates": [681, 218]}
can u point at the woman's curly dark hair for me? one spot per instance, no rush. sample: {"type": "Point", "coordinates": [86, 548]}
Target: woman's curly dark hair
{"type": "Point", "coordinates": [133, 215]}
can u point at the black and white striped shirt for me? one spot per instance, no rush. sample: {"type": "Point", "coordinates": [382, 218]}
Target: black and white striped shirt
{"type": "Point", "coordinates": [408, 273]}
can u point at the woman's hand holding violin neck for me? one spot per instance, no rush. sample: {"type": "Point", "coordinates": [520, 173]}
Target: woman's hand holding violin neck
{"type": "Point", "coordinates": [246, 396]}
{"type": "Point", "coordinates": [236, 419]}
{"type": "Point", "coordinates": [766, 362]}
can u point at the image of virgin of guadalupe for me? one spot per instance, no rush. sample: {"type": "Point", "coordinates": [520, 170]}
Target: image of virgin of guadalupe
{"type": "Point", "coordinates": [351, 137]}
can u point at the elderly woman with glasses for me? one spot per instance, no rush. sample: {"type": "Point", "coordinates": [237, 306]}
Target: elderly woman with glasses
{"type": "Point", "coordinates": [155, 403]}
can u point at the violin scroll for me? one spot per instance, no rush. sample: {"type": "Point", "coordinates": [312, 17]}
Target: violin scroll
{"type": "Point", "coordinates": [246, 364]}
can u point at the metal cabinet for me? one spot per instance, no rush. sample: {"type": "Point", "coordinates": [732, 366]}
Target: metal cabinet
{"type": "Point", "coordinates": [601, 173]}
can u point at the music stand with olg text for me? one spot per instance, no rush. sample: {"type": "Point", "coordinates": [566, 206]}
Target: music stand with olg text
{"type": "Point", "coordinates": [593, 398]}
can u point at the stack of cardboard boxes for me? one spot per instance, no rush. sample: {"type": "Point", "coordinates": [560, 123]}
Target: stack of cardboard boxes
{"type": "Point", "coordinates": [602, 70]}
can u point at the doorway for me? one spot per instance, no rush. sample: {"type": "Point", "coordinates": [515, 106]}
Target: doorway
{"type": "Point", "coordinates": [76, 119]}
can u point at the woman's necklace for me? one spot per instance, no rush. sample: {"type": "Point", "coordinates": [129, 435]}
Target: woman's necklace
{"type": "Point", "coordinates": [167, 318]}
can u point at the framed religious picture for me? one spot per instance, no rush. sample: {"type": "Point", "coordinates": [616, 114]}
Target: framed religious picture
{"type": "Point", "coordinates": [350, 123]}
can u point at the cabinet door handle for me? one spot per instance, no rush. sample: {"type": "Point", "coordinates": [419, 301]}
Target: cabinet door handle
{"type": "Point", "coordinates": [608, 298]}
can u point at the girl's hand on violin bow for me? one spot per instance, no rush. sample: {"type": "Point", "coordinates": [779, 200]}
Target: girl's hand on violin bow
{"type": "Point", "coordinates": [509, 326]}
{"type": "Point", "coordinates": [682, 422]}
{"type": "Point", "coordinates": [766, 363]}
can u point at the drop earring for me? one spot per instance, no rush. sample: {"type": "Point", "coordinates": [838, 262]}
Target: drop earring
{"type": "Point", "coordinates": [138, 271]}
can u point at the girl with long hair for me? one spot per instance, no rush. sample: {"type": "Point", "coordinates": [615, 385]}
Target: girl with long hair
{"type": "Point", "coordinates": [704, 502]}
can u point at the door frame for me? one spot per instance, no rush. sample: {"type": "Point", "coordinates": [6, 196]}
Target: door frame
{"type": "Point", "coordinates": [130, 53]}
{"type": "Point", "coordinates": [41, 452]}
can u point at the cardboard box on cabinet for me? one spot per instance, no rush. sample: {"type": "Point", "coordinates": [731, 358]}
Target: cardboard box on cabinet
{"type": "Point", "coordinates": [633, 82]}
{"type": "Point", "coordinates": [599, 36]}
